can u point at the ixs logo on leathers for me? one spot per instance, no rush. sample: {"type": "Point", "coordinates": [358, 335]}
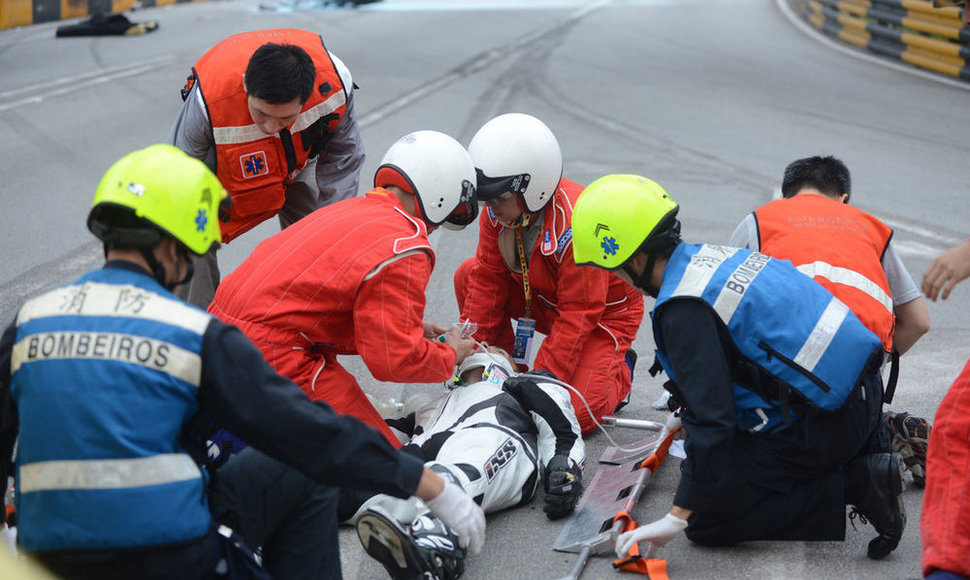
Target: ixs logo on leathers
{"type": "Point", "coordinates": [500, 458]}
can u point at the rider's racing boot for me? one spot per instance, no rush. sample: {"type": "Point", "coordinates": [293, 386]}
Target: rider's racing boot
{"type": "Point", "coordinates": [429, 550]}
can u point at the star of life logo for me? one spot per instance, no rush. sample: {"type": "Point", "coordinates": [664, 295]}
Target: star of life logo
{"type": "Point", "coordinates": [200, 221]}
{"type": "Point", "coordinates": [254, 164]}
{"type": "Point", "coordinates": [609, 245]}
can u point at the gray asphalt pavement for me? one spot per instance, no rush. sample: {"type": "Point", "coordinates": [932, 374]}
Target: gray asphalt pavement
{"type": "Point", "coordinates": [710, 98]}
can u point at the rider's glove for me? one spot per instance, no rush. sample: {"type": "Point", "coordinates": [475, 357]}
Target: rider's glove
{"type": "Point", "coordinates": [564, 487]}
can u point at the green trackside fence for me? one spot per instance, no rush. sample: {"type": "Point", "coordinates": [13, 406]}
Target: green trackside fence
{"type": "Point", "coordinates": [913, 31]}
{"type": "Point", "coordinates": [24, 12]}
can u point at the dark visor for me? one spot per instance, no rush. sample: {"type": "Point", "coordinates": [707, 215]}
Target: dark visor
{"type": "Point", "coordinates": [494, 187]}
{"type": "Point", "coordinates": [467, 209]}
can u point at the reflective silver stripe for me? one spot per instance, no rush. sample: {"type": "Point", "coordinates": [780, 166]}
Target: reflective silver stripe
{"type": "Point", "coordinates": [737, 285]}
{"type": "Point", "coordinates": [848, 277]}
{"type": "Point", "coordinates": [311, 115]}
{"type": "Point", "coordinates": [247, 133]}
{"type": "Point", "coordinates": [130, 348]}
{"type": "Point", "coordinates": [99, 299]}
{"type": "Point", "coordinates": [823, 333]}
{"type": "Point", "coordinates": [241, 134]}
{"type": "Point", "coordinates": [764, 420]}
{"type": "Point", "coordinates": [701, 269]}
{"type": "Point", "coordinates": [107, 473]}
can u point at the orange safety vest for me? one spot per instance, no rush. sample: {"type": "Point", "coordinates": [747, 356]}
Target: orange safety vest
{"type": "Point", "coordinates": [254, 167]}
{"type": "Point", "coordinates": [838, 245]}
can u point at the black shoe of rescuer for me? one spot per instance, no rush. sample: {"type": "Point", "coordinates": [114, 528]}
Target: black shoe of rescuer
{"type": "Point", "coordinates": [874, 485]}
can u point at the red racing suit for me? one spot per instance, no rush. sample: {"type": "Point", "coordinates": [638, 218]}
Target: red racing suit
{"type": "Point", "coordinates": [945, 519]}
{"type": "Point", "coordinates": [347, 279]}
{"type": "Point", "coordinates": [254, 167]}
{"type": "Point", "coordinates": [589, 316]}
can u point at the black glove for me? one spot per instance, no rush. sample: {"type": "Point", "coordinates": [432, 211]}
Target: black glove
{"type": "Point", "coordinates": [564, 487]}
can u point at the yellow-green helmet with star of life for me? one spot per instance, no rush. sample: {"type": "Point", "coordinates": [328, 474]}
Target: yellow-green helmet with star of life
{"type": "Point", "coordinates": [158, 191]}
{"type": "Point", "coordinates": [617, 215]}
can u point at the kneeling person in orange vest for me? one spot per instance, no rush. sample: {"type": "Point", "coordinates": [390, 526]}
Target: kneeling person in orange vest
{"type": "Point", "coordinates": [264, 110]}
{"type": "Point", "coordinates": [850, 253]}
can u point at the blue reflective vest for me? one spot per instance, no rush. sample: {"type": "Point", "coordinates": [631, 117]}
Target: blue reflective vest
{"type": "Point", "coordinates": [794, 337]}
{"type": "Point", "coordinates": [105, 372]}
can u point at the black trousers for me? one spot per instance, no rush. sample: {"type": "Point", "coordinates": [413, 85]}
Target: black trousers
{"type": "Point", "coordinates": [270, 505]}
{"type": "Point", "coordinates": [790, 486]}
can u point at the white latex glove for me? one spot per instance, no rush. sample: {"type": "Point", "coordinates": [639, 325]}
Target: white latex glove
{"type": "Point", "coordinates": [673, 421]}
{"type": "Point", "coordinates": [459, 512]}
{"type": "Point", "coordinates": [8, 538]}
{"type": "Point", "coordinates": [657, 533]}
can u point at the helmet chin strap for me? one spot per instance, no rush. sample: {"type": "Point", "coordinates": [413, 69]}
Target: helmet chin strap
{"type": "Point", "coordinates": [523, 221]}
{"type": "Point", "coordinates": [669, 237]}
{"type": "Point", "coordinates": [158, 270]}
{"type": "Point", "coordinates": [189, 272]}
{"type": "Point", "coordinates": [642, 281]}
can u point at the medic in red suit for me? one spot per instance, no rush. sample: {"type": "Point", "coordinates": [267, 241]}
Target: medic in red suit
{"type": "Point", "coordinates": [350, 279]}
{"type": "Point", "coordinates": [590, 318]}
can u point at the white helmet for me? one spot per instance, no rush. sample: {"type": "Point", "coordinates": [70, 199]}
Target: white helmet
{"type": "Point", "coordinates": [518, 153]}
{"type": "Point", "coordinates": [437, 170]}
{"type": "Point", "coordinates": [495, 367]}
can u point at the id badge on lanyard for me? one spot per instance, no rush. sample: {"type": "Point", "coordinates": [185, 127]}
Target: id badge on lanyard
{"type": "Point", "coordinates": [525, 327]}
{"type": "Point", "coordinates": [525, 330]}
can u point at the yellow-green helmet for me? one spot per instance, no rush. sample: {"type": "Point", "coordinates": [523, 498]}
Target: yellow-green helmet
{"type": "Point", "coordinates": [618, 214]}
{"type": "Point", "coordinates": [161, 185]}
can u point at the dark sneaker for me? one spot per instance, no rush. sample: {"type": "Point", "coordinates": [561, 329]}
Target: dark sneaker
{"type": "Point", "coordinates": [874, 485]}
{"type": "Point", "coordinates": [631, 364]}
{"type": "Point", "coordinates": [910, 436]}
{"type": "Point", "coordinates": [631, 361]}
{"type": "Point", "coordinates": [428, 551]}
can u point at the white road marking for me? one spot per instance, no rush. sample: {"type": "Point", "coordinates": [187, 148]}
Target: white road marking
{"type": "Point", "coordinates": [63, 86]}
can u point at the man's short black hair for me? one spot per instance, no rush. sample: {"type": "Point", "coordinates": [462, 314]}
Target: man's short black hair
{"type": "Point", "coordinates": [280, 73]}
{"type": "Point", "coordinates": [827, 174]}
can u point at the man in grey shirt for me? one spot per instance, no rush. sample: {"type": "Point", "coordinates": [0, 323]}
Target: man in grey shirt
{"type": "Point", "coordinates": [280, 86]}
{"type": "Point", "coordinates": [851, 253]}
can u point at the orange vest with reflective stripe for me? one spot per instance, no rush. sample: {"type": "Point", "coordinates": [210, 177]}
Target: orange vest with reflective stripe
{"type": "Point", "coordinates": [254, 167]}
{"type": "Point", "coordinates": [838, 245]}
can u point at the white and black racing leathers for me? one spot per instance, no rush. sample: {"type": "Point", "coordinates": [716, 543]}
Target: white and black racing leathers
{"type": "Point", "coordinates": [491, 439]}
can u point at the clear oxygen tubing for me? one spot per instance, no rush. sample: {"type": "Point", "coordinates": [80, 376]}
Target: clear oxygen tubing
{"type": "Point", "coordinates": [466, 327]}
{"type": "Point", "coordinates": [592, 416]}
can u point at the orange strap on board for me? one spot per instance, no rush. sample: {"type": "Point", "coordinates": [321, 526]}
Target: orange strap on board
{"type": "Point", "coordinates": [652, 568]}
{"type": "Point", "coordinates": [657, 457]}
